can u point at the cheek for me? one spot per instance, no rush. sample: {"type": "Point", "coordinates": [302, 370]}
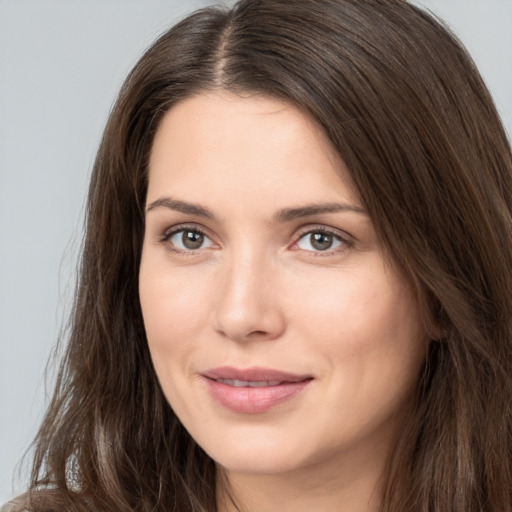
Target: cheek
{"type": "Point", "coordinates": [354, 306]}
{"type": "Point", "coordinates": [174, 309]}
{"type": "Point", "coordinates": [367, 328]}
{"type": "Point", "coordinates": [366, 333]}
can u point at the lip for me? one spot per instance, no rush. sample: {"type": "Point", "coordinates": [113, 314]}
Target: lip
{"type": "Point", "coordinates": [275, 388]}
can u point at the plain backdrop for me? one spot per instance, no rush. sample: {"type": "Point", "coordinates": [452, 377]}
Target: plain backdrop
{"type": "Point", "coordinates": [61, 65]}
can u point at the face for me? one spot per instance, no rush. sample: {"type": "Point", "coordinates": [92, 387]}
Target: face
{"type": "Point", "coordinates": [280, 333]}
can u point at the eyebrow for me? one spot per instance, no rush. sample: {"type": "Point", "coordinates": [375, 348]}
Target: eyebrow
{"type": "Point", "coordinates": [289, 214]}
{"type": "Point", "coordinates": [282, 216]}
{"type": "Point", "coordinates": [181, 206]}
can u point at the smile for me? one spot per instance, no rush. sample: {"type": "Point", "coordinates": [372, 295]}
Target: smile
{"type": "Point", "coordinates": [255, 390]}
{"type": "Point", "coordinates": [249, 383]}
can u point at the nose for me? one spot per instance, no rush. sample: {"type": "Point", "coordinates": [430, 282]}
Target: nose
{"type": "Point", "coordinates": [248, 300]}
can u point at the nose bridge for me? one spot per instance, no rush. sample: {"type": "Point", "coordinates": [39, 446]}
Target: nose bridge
{"type": "Point", "coordinates": [246, 306]}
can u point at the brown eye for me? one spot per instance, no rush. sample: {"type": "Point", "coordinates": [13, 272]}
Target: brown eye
{"type": "Point", "coordinates": [189, 240]}
{"type": "Point", "coordinates": [317, 241]}
{"type": "Point", "coordinates": [321, 241]}
{"type": "Point", "coordinates": [192, 239]}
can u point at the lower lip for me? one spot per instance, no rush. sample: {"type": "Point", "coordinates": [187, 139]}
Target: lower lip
{"type": "Point", "coordinates": [254, 400]}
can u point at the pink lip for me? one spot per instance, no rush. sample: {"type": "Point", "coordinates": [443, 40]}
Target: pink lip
{"type": "Point", "coordinates": [254, 400]}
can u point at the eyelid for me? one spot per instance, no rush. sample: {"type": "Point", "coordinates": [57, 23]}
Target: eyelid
{"type": "Point", "coordinates": [172, 230]}
{"type": "Point", "coordinates": [346, 239]}
{"type": "Point", "coordinates": [169, 232]}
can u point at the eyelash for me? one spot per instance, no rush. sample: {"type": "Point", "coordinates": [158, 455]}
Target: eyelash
{"type": "Point", "coordinates": [166, 237]}
{"type": "Point", "coordinates": [345, 240]}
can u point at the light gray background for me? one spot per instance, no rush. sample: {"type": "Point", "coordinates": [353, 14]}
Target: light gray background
{"type": "Point", "coordinates": [61, 64]}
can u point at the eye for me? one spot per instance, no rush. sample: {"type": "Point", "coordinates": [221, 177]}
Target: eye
{"type": "Point", "coordinates": [319, 241]}
{"type": "Point", "coordinates": [188, 239]}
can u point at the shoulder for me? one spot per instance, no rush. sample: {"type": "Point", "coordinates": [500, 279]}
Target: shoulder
{"type": "Point", "coordinates": [17, 505]}
{"type": "Point", "coordinates": [37, 501]}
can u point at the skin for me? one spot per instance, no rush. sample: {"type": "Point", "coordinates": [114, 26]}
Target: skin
{"type": "Point", "coordinates": [258, 292]}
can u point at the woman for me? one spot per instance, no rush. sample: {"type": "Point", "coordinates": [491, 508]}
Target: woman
{"type": "Point", "coordinates": [295, 283]}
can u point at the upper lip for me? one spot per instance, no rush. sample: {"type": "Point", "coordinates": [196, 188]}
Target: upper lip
{"type": "Point", "coordinates": [254, 374]}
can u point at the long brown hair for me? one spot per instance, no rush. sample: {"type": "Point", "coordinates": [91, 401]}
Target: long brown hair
{"type": "Point", "coordinates": [407, 111]}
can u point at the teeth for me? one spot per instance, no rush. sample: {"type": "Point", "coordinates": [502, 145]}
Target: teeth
{"type": "Point", "coordinates": [249, 384]}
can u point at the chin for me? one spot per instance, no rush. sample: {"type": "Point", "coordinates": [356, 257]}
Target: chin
{"type": "Point", "coordinates": [263, 449]}
{"type": "Point", "coordinates": [257, 462]}
{"type": "Point", "coordinates": [252, 449]}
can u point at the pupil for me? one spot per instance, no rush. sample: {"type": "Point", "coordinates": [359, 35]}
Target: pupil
{"type": "Point", "coordinates": [192, 239]}
{"type": "Point", "coordinates": [321, 241]}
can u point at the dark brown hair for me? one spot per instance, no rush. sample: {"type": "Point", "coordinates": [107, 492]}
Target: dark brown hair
{"type": "Point", "coordinates": [407, 111]}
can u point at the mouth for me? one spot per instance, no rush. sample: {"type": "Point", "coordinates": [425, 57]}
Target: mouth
{"type": "Point", "coordinates": [249, 383]}
{"type": "Point", "coordinates": [253, 390]}
{"type": "Point", "coordinates": [234, 376]}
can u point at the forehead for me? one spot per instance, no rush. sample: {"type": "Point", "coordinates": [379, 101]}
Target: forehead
{"type": "Point", "coordinates": [241, 144]}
